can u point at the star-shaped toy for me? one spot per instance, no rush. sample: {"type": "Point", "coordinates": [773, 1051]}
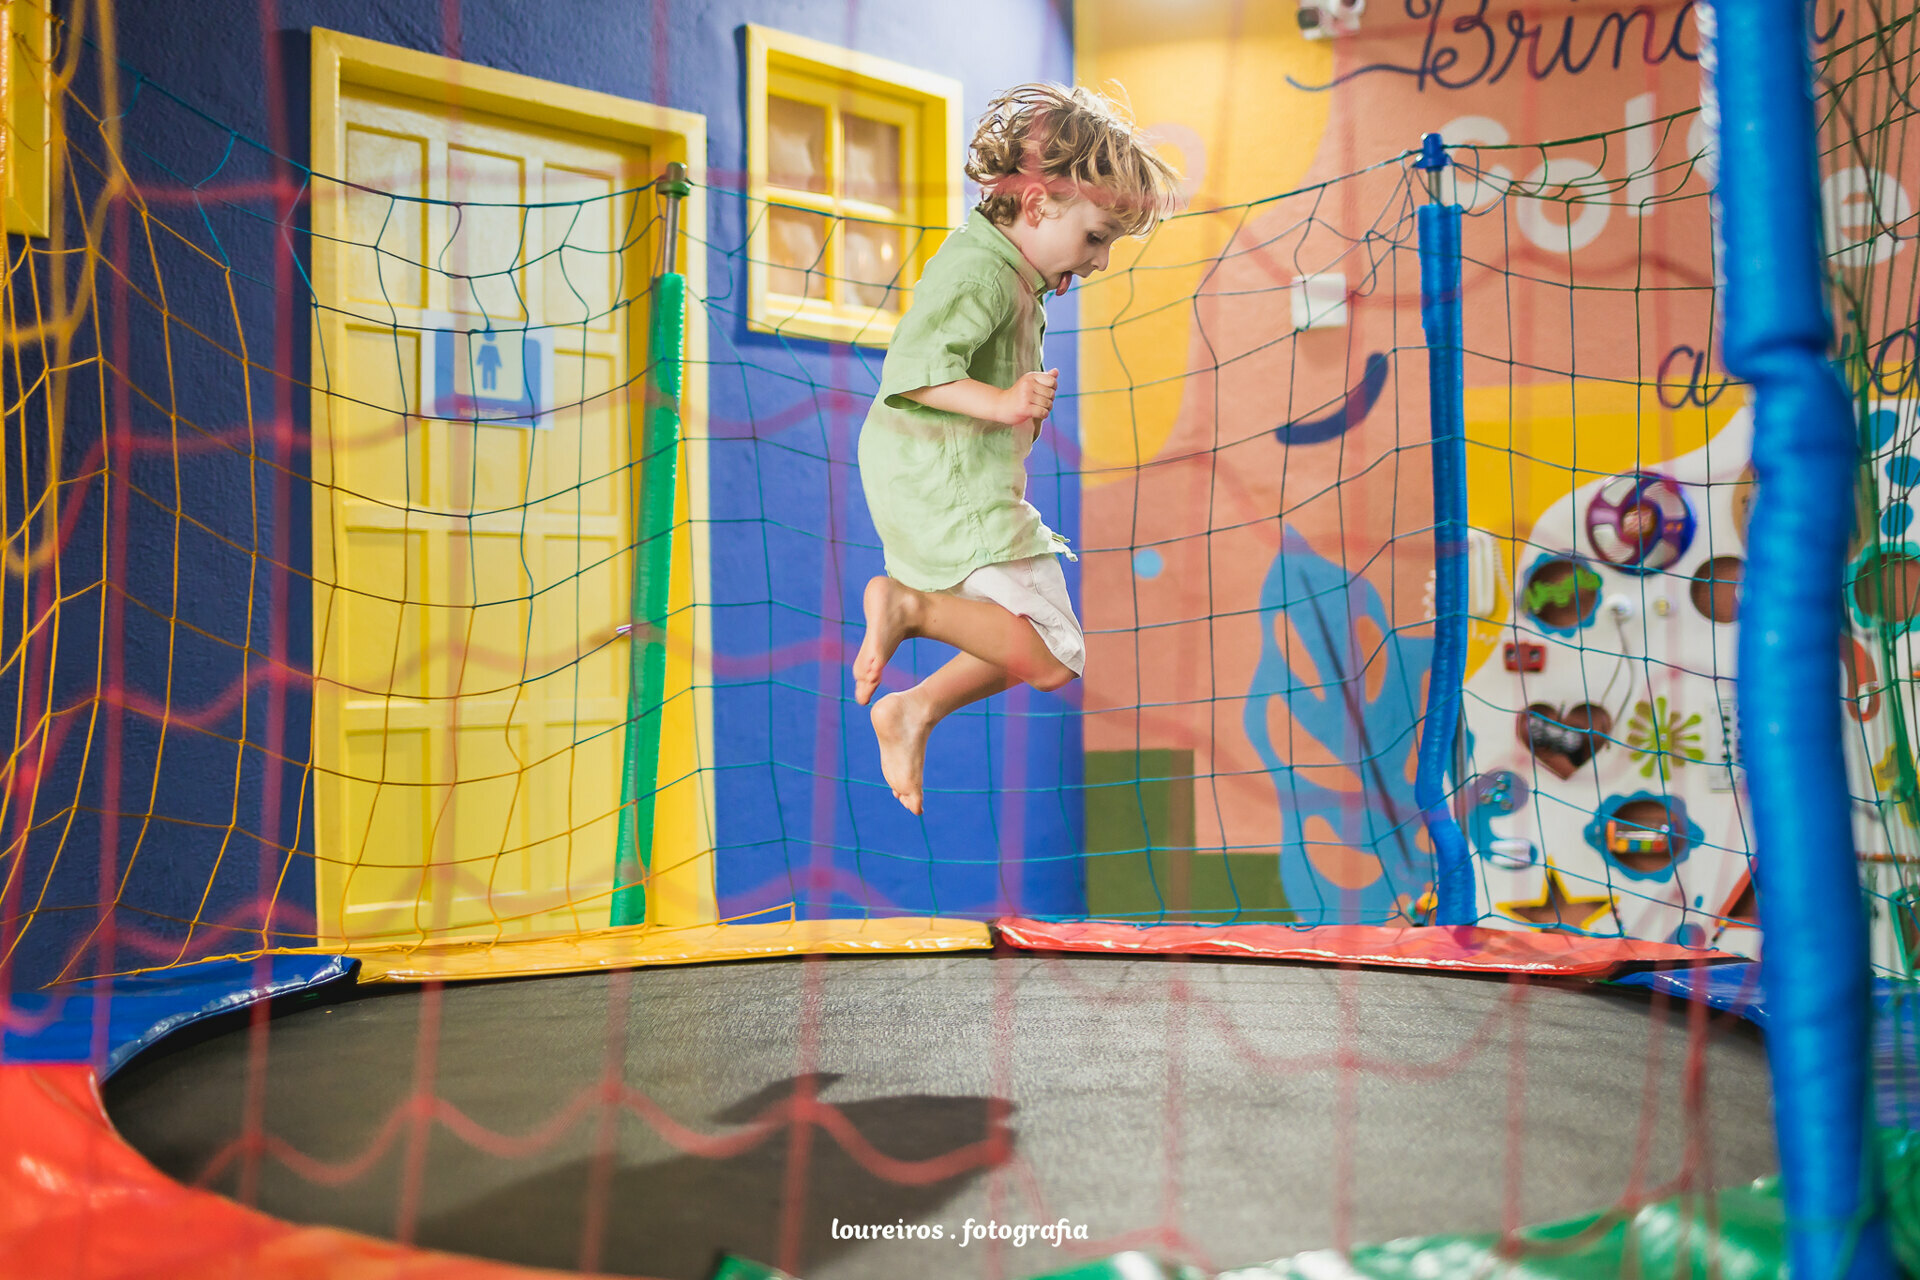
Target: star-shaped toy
{"type": "Point", "coordinates": [1556, 908]}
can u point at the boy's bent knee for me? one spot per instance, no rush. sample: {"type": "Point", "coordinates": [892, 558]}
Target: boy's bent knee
{"type": "Point", "coordinates": [1057, 679]}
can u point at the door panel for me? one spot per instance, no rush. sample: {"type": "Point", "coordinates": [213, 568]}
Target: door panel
{"type": "Point", "coordinates": [386, 250]}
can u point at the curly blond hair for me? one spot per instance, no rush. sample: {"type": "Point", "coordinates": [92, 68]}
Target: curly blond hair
{"type": "Point", "coordinates": [1077, 143]}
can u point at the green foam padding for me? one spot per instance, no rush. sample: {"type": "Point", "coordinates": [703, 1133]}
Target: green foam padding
{"type": "Point", "coordinates": [732, 1268]}
{"type": "Point", "coordinates": [1735, 1234]}
{"type": "Point", "coordinates": [1123, 1266]}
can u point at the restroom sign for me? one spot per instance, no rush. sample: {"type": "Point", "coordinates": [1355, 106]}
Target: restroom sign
{"type": "Point", "coordinates": [490, 377]}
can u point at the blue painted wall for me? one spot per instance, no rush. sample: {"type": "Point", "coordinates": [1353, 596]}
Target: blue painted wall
{"type": "Point", "coordinates": [195, 824]}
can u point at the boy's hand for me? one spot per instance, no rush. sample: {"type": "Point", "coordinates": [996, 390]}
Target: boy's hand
{"type": "Point", "coordinates": [1030, 399]}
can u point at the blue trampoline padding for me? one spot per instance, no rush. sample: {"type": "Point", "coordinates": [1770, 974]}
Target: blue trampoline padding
{"type": "Point", "coordinates": [1896, 1027]}
{"type": "Point", "coordinates": [1896, 1056]}
{"type": "Point", "coordinates": [58, 1024]}
{"type": "Point", "coordinates": [1732, 987]}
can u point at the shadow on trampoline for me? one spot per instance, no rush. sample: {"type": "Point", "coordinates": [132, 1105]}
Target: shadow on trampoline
{"type": "Point", "coordinates": [669, 1219]}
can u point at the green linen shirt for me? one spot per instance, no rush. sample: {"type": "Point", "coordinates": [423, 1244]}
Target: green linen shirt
{"type": "Point", "coordinates": [948, 492]}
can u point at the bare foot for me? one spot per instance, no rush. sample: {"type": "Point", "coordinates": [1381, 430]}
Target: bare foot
{"type": "Point", "coordinates": [889, 609]}
{"type": "Point", "coordinates": [902, 730]}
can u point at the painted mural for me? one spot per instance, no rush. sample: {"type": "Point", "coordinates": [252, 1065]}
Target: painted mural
{"type": "Point", "coordinates": [1258, 584]}
{"type": "Point", "coordinates": [1879, 662]}
{"type": "Point", "coordinates": [1606, 794]}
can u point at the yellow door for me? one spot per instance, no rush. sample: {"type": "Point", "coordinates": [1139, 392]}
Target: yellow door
{"type": "Point", "coordinates": [471, 575]}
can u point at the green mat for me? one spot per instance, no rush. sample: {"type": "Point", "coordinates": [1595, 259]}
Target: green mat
{"type": "Point", "coordinates": [1736, 1234]}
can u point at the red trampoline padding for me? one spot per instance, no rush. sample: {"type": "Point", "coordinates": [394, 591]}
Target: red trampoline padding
{"type": "Point", "coordinates": [1463, 947]}
{"type": "Point", "coordinates": [77, 1202]}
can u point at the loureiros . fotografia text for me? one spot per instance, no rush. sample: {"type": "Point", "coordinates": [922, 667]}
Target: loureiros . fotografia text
{"type": "Point", "coordinates": [970, 1232]}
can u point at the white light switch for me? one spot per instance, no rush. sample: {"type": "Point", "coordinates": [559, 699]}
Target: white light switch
{"type": "Point", "coordinates": [1319, 301]}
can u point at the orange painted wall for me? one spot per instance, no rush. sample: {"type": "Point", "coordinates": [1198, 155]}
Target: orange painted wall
{"type": "Point", "coordinates": [1191, 362]}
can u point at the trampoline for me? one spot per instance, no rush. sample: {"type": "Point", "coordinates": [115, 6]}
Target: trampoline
{"type": "Point", "coordinates": [1250, 1109]}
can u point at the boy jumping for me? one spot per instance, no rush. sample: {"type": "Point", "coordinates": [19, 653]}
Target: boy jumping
{"type": "Point", "coordinates": [962, 399]}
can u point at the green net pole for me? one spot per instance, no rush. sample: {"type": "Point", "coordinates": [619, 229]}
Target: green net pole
{"type": "Point", "coordinates": [652, 572]}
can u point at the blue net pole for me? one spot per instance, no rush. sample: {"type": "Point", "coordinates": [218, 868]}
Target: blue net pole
{"type": "Point", "coordinates": [1814, 964]}
{"type": "Point", "coordinates": [1440, 319]}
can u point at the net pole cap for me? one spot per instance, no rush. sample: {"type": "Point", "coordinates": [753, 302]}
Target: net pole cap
{"type": "Point", "coordinates": [674, 181]}
{"type": "Point", "coordinates": [1433, 158]}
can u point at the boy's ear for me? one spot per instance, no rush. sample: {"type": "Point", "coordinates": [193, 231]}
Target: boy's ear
{"type": "Point", "coordinates": [1033, 202]}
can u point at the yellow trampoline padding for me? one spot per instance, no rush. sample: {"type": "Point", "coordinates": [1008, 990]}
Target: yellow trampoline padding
{"type": "Point", "coordinates": [651, 944]}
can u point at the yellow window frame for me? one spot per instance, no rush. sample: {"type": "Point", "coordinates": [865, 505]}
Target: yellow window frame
{"type": "Point", "coordinates": [26, 81]}
{"type": "Point", "coordinates": [926, 109]}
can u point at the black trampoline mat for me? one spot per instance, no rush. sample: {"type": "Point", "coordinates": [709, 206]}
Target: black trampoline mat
{"type": "Point", "coordinates": [1189, 1107]}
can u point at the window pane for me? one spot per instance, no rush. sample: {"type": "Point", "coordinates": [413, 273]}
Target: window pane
{"type": "Point", "coordinates": [796, 145]}
{"type": "Point", "coordinates": [796, 242]}
{"type": "Point", "coordinates": [873, 256]}
{"type": "Point", "coordinates": [872, 161]}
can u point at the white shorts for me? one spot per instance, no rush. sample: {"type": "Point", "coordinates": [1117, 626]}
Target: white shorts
{"type": "Point", "coordinates": [1034, 589]}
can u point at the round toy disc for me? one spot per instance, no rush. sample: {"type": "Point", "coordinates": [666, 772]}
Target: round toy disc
{"type": "Point", "coordinates": [1640, 522]}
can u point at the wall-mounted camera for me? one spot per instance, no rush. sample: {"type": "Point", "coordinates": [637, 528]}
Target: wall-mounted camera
{"type": "Point", "coordinates": [1323, 19]}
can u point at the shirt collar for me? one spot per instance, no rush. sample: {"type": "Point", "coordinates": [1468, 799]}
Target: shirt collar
{"type": "Point", "coordinates": [980, 227]}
